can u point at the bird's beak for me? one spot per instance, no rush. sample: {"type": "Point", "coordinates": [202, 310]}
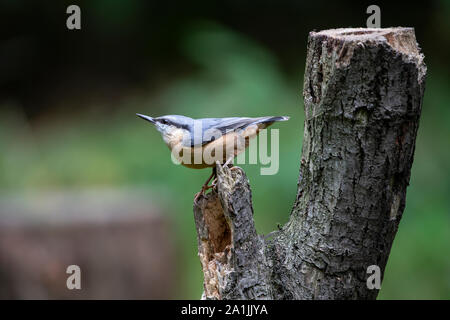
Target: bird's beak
{"type": "Point", "coordinates": [150, 119]}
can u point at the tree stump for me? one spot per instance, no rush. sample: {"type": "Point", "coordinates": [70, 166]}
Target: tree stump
{"type": "Point", "coordinates": [363, 92]}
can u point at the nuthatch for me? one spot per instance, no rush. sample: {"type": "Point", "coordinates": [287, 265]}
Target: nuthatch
{"type": "Point", "coordinates": [200, 143]}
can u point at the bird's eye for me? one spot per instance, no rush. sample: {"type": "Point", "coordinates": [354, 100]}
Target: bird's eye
{"type": "Point", "coordinates": [163, 121]}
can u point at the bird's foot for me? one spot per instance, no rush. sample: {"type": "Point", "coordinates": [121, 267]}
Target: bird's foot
{"type": "Point", "coordinates": [213, 185]}
{"type": "Point", "coordinates": [205, 187]}
{"type": "Point", "coordinates": [200, 194]}
{"type": "Point", "coordinates": [197, 196]}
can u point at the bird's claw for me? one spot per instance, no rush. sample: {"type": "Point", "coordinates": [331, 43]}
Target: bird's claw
{"type": "Point", "coordinates": [213, 185]}
{"type": "Point", "coordinates": [197, 196]}
{"type": "Point", "coordinates": [204, 189]}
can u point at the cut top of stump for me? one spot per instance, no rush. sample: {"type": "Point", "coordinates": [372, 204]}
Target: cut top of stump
{"type": "Point", "coordinates": [401, 39]}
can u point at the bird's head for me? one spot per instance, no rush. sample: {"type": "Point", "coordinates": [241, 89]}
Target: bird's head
{"type": "Point", "coordinates": [170, 125]}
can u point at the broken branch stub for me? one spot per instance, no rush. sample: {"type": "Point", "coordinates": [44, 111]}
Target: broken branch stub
{"type": "Point", "coordinates": [230, 250]}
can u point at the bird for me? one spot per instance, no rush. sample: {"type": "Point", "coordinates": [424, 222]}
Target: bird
{"type": "Point", "coordinates": [201, 143]}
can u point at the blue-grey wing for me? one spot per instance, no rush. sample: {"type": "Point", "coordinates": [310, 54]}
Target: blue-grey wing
{"type": "Point", "coordinates": [209, 129]}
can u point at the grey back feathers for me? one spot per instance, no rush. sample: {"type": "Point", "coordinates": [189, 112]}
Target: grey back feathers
{"type": "Point", "coordinates": [198, 127]}
{"type": "Point", "coordinates": [225, 125]}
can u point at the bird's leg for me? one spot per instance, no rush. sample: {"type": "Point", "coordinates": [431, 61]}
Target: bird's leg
{"type": "Point", "coordinates": [213, 174]}
{"type": "Point", "coordinates": [205, 185]}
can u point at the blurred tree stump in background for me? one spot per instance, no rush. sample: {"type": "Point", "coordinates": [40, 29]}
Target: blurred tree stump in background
{"type": "Point", "coordinates": [363, 92]}
{"type": "Point", "coordinates": [123, 246]}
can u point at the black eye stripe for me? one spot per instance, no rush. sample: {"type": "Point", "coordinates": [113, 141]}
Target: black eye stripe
{"type": "Point", "coordinates": [171, 123]}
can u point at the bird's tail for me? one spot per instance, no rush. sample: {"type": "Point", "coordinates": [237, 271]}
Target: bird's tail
{"type": "Point", "coordinates": [273, 119]}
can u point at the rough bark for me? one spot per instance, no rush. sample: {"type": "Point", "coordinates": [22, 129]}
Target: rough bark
{"type": "Point", "coordinates": [363, 91]}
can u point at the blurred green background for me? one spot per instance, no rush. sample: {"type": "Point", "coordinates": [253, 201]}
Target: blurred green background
{"type": "Point", "coordinates": [68, 101]}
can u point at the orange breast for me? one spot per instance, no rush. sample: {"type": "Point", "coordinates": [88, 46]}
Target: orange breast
{"type": "Point", "coordinates": [221, 149]}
